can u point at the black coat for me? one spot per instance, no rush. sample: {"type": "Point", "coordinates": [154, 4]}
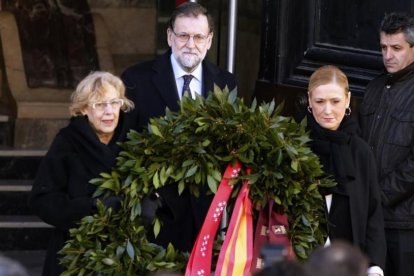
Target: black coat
{"type": "Point", "coordinates": [387, 124]}
{"type": "Point", "coordinates": [152, 87]}
{"type": "Point", "coordinates": [356, 212]}
{"type": "Point", "coordinates": [61, 193]}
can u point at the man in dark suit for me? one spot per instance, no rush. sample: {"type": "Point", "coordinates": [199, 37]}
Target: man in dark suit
{"type": "Point", "coordinates": [159, 84]}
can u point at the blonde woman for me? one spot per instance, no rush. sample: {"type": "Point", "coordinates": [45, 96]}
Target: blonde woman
{"type": "Point", "coordinates": [353, 207]}
{"type": "Point", "coordinates": [61, 194]}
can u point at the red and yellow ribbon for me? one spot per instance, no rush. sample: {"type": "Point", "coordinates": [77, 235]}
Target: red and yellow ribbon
{"type": "Point", "coordinates": [199, 263]}
{"type": "Point", "coordinates": [236, 252]}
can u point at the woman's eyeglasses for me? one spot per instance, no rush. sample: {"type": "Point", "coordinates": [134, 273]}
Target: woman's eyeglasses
{"type": "Point", "coordinates": [115, 104]}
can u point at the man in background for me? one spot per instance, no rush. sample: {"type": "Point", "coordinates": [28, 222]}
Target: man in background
{"type": "Point", "coordinates": [387, 124]}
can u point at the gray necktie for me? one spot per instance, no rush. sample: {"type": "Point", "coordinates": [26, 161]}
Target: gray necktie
{"type": "Point", "coordinates": [186, 86]}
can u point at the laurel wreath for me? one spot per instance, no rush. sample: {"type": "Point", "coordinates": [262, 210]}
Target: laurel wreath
{"type": "Point", "coordinates": [191, 148]}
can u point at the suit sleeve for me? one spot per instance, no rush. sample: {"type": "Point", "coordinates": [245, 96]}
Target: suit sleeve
{"type": "Point", "coordinates": [229, 80]}
{"type": "Point", "coordinates": [50, 198]}
{"type": "Point", "coordinates": [375, 235]}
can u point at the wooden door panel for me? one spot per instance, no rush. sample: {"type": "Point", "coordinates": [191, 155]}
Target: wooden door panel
{"type": "Point", "coordinates": [300, 36]}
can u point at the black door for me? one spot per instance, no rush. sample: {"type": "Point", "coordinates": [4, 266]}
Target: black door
{"type": "Point", "coordinates": [299, 36]}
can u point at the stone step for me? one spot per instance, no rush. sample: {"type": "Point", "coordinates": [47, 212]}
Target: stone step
{"type": "Point", "coordinates": [24, 239]}
{"type": "Point", "coordinates": [20, 164]}
{"type": "Point", "coordinates": [19, 229]}
{"type": "Point", "coordinates": [23, 233]}
{"type": "Point", "coordinates": [15, 185]}
{"type": "Point", "coordinates": [22, 153]}
{"type": "Point", "coordinates": [14, 203]}
{"type": "Point", "coordinates": [14, 194]}
{"type": "Point", "coordinates": [22, 222]}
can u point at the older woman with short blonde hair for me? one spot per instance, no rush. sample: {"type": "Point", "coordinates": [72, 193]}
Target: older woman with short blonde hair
{"type": "Point", "coordinates": [61, 194]}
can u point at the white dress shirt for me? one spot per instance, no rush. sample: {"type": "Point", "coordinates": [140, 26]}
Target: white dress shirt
{"type": "Point", "coordinates": [195, 84]}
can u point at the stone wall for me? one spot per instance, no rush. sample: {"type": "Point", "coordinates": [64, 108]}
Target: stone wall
{"type": "Point", "coordinates": [126, 32]}
{"type": "Point", "coordinates": [131, 37]}
{"type": "Point", "coordinates": [132, 26]}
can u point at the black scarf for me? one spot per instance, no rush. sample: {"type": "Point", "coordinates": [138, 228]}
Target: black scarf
{"type": "Point", "coordinates": [334, 151]}
{"type": "Point", "coordinates": [96, 156]}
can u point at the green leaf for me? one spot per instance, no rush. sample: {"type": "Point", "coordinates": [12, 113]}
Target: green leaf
{"type": "Point", "coordinates": [108, 184]}
{"type": "Point", "coordinates": [79, 237]}
{"type": "Point", "coordinates": [199, 150]}
{"type": "Point", "coordinates": [156, 130]}
{"type": "Point", "coordinates": [294, 165]}
{"type": "Point", "coordinates": [305, 221]}
{"type": "Point", "coordinates": [277, 200]}
{"type": "Point", "coordinates": [253, 178]}
{"type": "Point", "coordinates": [188, 163]}
{"type": "Point", "coordinates": [312, 187]}
{"type": "Point", "coordinates": [271, 108]}
{"type": "Point", "coordinates": [135, 211]}
{"type": "Point", "coordinates": [108, 261]}
{"type": "Point", "coordinates": [181, 187]}
{"type": "Point", "coordinates": [130, 250]}
{"type": "Point", "coordinates": [157, 227]}
{"type": "Point", "coordinates": [300, 251]}
{"type": "Point", "coordinates": [120, 250]}
{"type": "Point", "coordinates": [170, 253]}
{"type": "Point", "coordinates": [156, 180]}
{"type": "Point", "coordinates": [95, 180]}
{"type": "Point", "coordinates": [205, 143]}
{"type": "Point", "coordinates": [253, 106]}
{"type": "Point", "coordinates": [197, 178]}
{"type": "Point", "coordinates": [232, 97]}
{"type": "Point", "coordinates": [216, 175]}
{"type": "Point", "coordinates": [163, 176]}
{"type": "Point", "coordinates": [105, 175]}
{"type": "Point", "coordinates": [191, 171]}
{"type": "Point", "coordinates": [212, 183]}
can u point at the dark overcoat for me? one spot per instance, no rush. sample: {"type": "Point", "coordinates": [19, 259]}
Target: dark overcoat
{"type": "Point", "coordinates": [61, 193]}
{"type": "Point", "coordinates": [356, 211]}
{"type": "Point", "coordinates": [152, 87]}
{"type": "Point", "coordinates": [387, 124]}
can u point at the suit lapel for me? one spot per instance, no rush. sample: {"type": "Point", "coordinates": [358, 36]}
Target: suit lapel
{"type": "Point", "coordinates": [209, 75]}
{"type": "Point", "coordinates": [164, 81]}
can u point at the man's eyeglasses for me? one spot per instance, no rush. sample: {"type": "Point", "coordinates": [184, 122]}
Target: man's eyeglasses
{"type": "Point", "coordinates": [115, 104]}
{"type": "Point", "coordinates": [197, 38]}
